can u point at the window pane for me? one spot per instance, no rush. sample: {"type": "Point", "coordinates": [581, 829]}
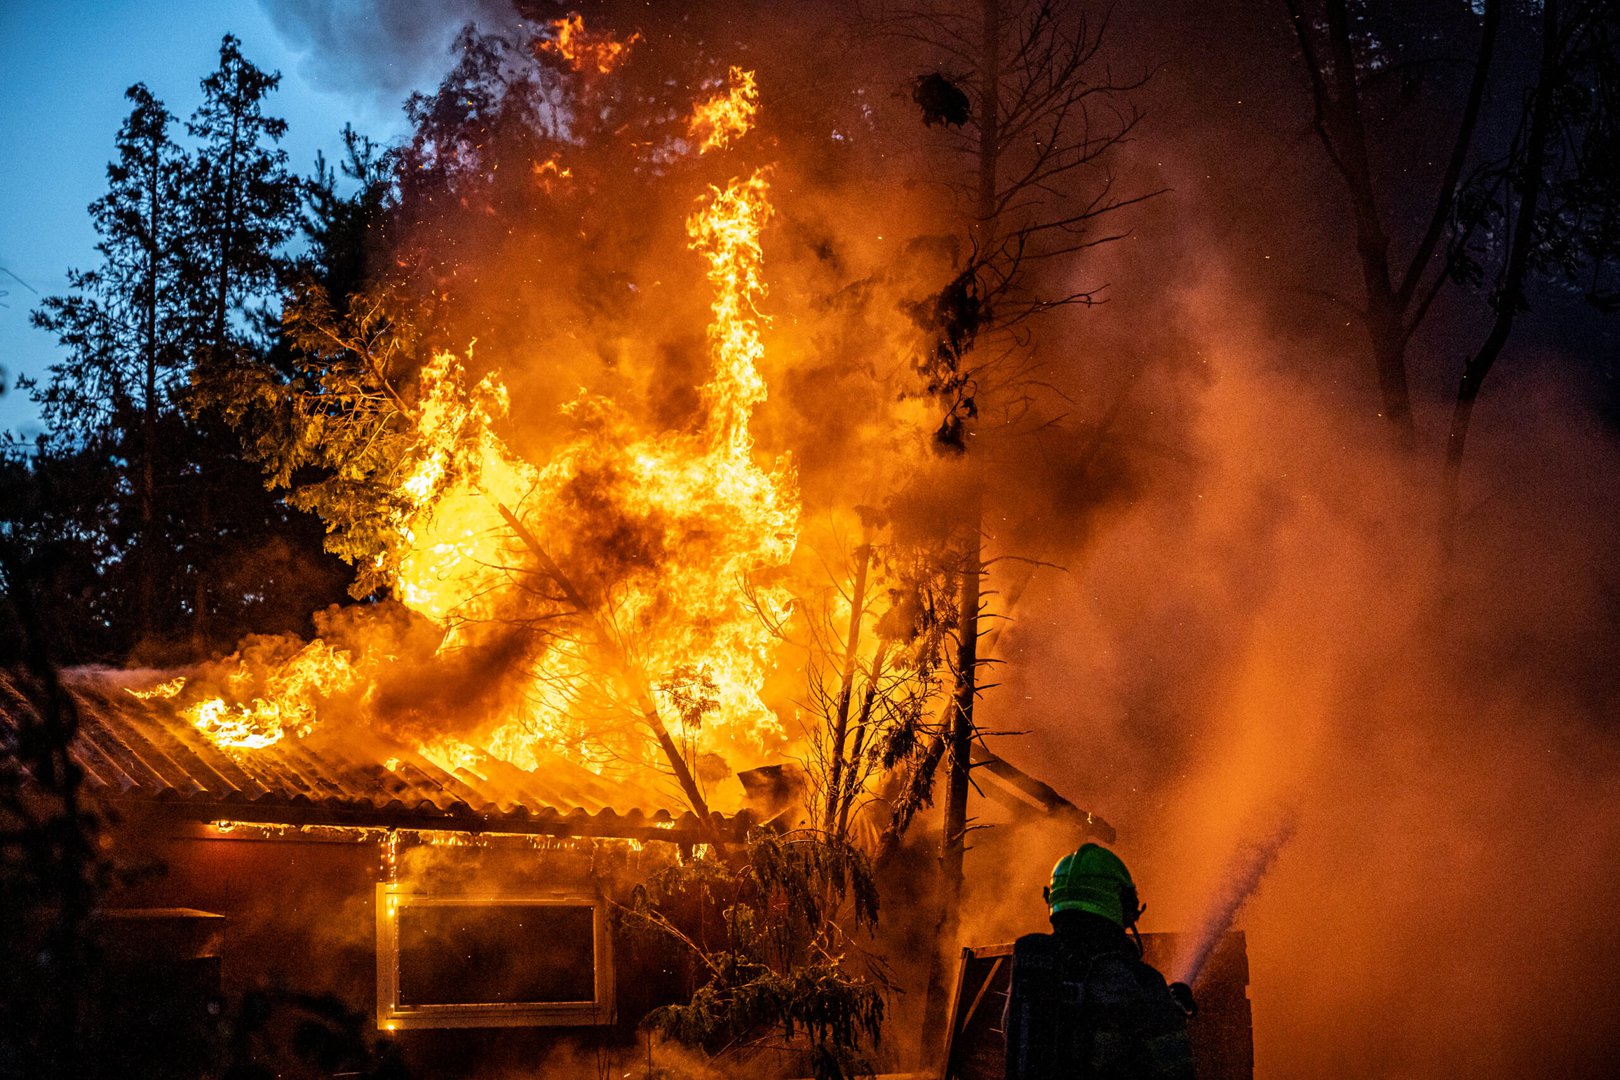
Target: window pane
{"type": "Point", "coordinates": [465, 954]}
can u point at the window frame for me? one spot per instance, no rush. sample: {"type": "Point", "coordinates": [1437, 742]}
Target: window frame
{"type": "Point", "coordinates": [392, 1016]}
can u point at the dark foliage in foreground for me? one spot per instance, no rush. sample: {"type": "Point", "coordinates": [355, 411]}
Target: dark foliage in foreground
{"type": "Point", "coordinates": [771, 938]}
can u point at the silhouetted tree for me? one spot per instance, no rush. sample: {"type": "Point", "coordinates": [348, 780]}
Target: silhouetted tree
{"type": "Point", "coordinates": [242, 203]}
{"type": "Point", "coordinates": [343, 230]}
{"type": "Point", "coordinates": [1523, 191]}
{"type": "Point", "coordinates": [243, 206]}
{"type": "Point", "coordinates": [1549, 207]}
{"type": "Point", "coordinates": [1034, 121]}
{"type": "Point", "coordinates": [1366, 66]}
{"type": "Point", "coordinates": [123, 327]}
{"type": "Point", "coordinates": [139, 504]}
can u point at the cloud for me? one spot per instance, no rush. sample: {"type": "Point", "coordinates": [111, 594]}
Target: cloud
{"type": "Point", "coordinates": [383, 47]}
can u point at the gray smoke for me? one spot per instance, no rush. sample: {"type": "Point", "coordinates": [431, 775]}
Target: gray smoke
{"type": "Point", "coordinates": [385, 48]}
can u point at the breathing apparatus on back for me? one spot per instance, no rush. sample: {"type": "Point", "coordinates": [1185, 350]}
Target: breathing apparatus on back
{"type": "Point", "coordinates": [1095, 880]}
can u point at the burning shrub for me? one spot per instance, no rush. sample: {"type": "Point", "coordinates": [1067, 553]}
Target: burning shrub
{"type": "Point", "coordinates": [769, 936]}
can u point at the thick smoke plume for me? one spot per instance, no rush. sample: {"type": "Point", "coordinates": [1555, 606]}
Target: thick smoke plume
{"type": "Point", "coordinates": [1257, 619]}
{"type": "Point", "coordinates": [1271, 625]}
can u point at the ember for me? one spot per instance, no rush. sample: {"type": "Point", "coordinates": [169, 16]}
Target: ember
{"type": "Point", "coordinates": [583, 49]}
{"type": "Point", "coordinates": [594, 554]}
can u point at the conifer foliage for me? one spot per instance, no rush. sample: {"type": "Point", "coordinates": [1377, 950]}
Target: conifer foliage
{"type": "Point", "coordinates": [138, 508]}
{"type": "Point", "coordinates": [774, 940]}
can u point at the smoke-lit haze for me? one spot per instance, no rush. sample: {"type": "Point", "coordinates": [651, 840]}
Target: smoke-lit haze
{"type": "Point", "coordinates": [1268, 632]}
{"type": "Point", "coordinates": [1259, 627]}
{"type": "Point", "coordinates": [1256, 624]}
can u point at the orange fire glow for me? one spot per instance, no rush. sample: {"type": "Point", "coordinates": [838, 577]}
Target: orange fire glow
{"type": "Point", "coordinates": [266, 706]}
{"type": "Point", "coordinates": [453, 555]}
{"type": "Point", "coordinates": [583, 49]}
{"type": "Point", "coordinates": [725, 117]}
{"type": "Point", "coordinates": [684, 629]}
{"type": "Point", "coordinates": [692, 625]}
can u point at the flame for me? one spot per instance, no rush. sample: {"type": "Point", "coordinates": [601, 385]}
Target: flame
{"type": "Point", "coordinates": [549, 174]}
{"type": "Point", "coordinates": [727, 233]}
{"type": "Point", "coordinates": [719, 521]}
{"type": "Point", "coordinates": [163, 691]}
{"type": "Point", "coordinates": [720, 524]}
{"type": "Point", "coordinates": [582, 49]}
{"type": "Point", "coordinates": [453, 755]}
{"type": "Point", "coordinates": [453, 556]}
{"type": "Point", "coordinates": [724, 117]}
{"type": "Point", "coordinates": [271, 705]}
{"type": "Point", "coordinates": [679, 540]}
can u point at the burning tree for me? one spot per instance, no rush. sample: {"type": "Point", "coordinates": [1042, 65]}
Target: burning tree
{"type": "Point", "coordinates": [616, 584]}
{"type": "Point", "coordinates": [874, 658]}
{"type": "Point", "coordinates": [624, 551]}
{"type": "Point", "coordinates": [637, 574]}
{"type": "Point", "coordinates": [438, 473]}
{"type": "Point", "coordinates": [1015, 93]}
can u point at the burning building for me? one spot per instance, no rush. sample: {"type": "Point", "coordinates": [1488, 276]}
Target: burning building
{"type": "Point", "coordinates": [694, 526]}
{"type": "Point", "coordinates": [472, 914]}
{"type": "Point", "coordinates": [578, 639]}
{"type": "Point", "coordinates": [436, 901]}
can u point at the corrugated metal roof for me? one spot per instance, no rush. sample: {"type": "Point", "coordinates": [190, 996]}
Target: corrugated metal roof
{"type": "Point", "coordinates": [144, 750]}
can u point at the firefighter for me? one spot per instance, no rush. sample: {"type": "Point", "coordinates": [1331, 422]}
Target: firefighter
{"type": "Point", "coordinates": [1083, 1005]}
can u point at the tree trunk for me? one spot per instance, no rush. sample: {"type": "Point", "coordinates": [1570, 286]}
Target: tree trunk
{"type": "Point", "coordinates": [146, 567]}
{"type": "Point", "coordinates": [1383, 316]}
{"type": "Point", "coordinates": [836, 767]}
{"type": "Point", "coordinates": [227, 230]}
{"type": "Point", "coordinates": [221, 335]}
{"type": "Point", "coordinates": [202, 556]}
{"type": "Point", "coordinates": [959, 737]}
{"type": "Point", "coordinates": [1393, 310]}
{"type": "Point", "coordinates": [1511, 294]}
{"type": "Point", "coordinates": [874, 680]}
{"type": "Point", "coordinates": [958, 753]}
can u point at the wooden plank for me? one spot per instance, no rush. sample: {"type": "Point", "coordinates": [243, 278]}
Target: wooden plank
{"type": "Point", "coordinates": [967, 1017]}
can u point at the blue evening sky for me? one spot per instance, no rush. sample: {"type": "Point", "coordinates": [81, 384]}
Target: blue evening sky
{"type": "Point", "coordinates": [64, 67]}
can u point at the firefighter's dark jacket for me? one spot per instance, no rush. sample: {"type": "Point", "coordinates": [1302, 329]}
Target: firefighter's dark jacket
{"type": "Point", "coordinates": [1083, 1006]}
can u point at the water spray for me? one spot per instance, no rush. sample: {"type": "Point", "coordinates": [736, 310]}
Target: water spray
{"type": "Point", "coordinates": [1248, 865]}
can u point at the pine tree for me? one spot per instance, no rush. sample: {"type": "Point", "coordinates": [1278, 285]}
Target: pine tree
{"type": "Point", "coordinates": [139, 506]}
{"type": "Point", "coordinates": [120, 326]}
{"type": "Point", "coordinates": [243, 206]}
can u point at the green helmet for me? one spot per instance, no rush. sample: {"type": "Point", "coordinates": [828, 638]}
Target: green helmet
{"type": "Point", "coordinates": [1093, 879]}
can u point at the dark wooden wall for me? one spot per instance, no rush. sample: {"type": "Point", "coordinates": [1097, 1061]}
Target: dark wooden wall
{"type": "Point", "coordinates": [300, 923]}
